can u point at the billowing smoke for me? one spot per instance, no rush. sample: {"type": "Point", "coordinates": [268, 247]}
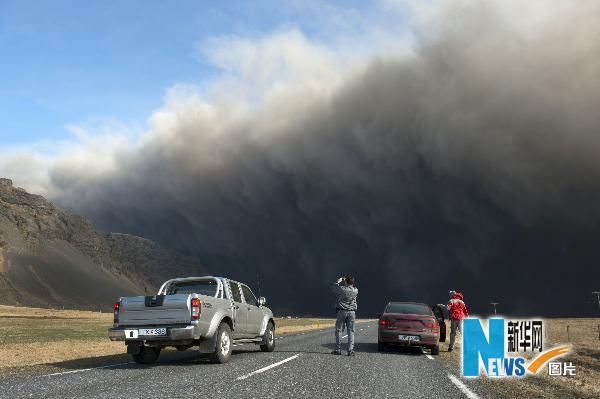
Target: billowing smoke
{"type": "Point", "coordinates": [470, 163]}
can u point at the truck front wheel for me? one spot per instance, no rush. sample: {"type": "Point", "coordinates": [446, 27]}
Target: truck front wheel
{"type": "Point", "coordinates": [268, 343]}
{"type": "Point", "coordinates": [146, 355]}
{"type": "Point", "coordinates": [223, 347]}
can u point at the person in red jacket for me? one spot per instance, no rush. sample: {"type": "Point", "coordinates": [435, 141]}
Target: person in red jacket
{"type": "Point", "coordinates": [457, 310]}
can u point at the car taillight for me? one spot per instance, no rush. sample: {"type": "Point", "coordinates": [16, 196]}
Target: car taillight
{"type": "Point", "coordinates": [116, 313]}
{"type": "Point", "coordinates": [384, 322]}
{"type": "Point", "coordinates": [195, 308]}
{"type": "Point", "coordinates": [431, 324]}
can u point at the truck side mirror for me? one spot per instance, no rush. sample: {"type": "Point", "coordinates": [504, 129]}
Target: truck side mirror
{"type": "Point", "coordinates": [261, 301]}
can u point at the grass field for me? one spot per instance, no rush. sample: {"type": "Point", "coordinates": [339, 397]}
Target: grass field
{"type": "Point", "coordinates": [582, 334]}
{"type": "Point", "coordinates": [32, 336]}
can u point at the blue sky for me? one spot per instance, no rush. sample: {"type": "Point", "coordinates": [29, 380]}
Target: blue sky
{"type": "Point", "coordinates": [70, 62]}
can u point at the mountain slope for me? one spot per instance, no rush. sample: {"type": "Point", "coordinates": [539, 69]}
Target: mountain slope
{"type": "Point", "coordinates": [50, 257]}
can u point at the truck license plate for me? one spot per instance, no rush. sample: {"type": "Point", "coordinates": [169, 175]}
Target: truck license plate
{"type": "Point", "coordinates": [153, 331]}
{"type": "Point", "coordinates": [409, 337]}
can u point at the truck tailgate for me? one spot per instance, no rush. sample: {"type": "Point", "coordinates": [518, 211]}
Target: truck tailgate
{"type": "Point", "coordinates": [155, 310]}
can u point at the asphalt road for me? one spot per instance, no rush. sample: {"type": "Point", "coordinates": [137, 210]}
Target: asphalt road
{"type": "Point", "coordinates": [300, 367]}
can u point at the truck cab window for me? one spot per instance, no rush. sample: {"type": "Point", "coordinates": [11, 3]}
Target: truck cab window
{"type": "Point", "coordinates": [202, 287]}
{"type": "Point", "coordinates": [235, 292]}
{"type": "Point", "coordinates": [249, 296]}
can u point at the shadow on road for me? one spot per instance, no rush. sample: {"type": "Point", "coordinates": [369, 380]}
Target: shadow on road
{"type": "Point", "coordinates": [403, 350]}
{"type": "Point", "coordinates": [371, 347]}
{"type": "Point", "coordinates": [175, 358]}
{"type": "Point", "coordinates": [167, 357]}
{"type": "Point", "coordinates": [359, 347]}
{"type": "Point", "coordinates": [89, 362]}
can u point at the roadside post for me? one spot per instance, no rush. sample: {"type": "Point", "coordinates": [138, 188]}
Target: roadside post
{"type": "Point", "coordinates": [597, 293]}
{"type": "Point", "coordinates": [494, 304]}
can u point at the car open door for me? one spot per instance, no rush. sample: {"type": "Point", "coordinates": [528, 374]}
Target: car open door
{"type": "Point", "coordinates": [439, 312]}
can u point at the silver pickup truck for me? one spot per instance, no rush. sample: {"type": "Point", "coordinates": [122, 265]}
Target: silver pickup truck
{"type": "Point", "coordinates": [209, 312]}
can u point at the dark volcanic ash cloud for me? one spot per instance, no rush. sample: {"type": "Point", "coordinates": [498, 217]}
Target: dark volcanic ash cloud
{"type": "Point", "coordinates": [471, 164]}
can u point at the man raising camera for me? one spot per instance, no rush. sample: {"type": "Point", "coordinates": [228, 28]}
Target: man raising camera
{"type": "Point", "coordinates": [345, 305]}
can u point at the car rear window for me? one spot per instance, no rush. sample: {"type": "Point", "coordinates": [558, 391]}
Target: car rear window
{"type": "Point", "coordinates": [409, 308]}
{"type": "Point", "coordinates": [204, 287]}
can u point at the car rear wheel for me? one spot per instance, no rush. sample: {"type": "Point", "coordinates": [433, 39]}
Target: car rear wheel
{"type": "Point", "coordinates": [147, 355]}
{"type": "Point", "coordinates": [435, 350]}
{"type": "Point", "coordinates": [268, 343]}
{"type": "Point", "coordinates": [380, 346]}
{"type": "Point", "coordinates": [223, 347]}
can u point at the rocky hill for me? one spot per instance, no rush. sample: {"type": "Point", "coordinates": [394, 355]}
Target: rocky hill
{"type": "Point", "coordinates": [52, 258]}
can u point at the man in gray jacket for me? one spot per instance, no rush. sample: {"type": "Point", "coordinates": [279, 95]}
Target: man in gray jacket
{"type": "Point", "coordinates": [345, 305]}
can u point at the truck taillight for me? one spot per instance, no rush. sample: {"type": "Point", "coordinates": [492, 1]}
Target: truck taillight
{"type": "Point", "coordinates": [195, 308]}
{"type": "Point", "coordinates": [116, 313]}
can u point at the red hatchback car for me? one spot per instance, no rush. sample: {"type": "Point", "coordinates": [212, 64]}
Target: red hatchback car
{"type": "Point", "coordinates": [411, 324]}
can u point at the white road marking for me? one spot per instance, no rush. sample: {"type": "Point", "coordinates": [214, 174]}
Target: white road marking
{"type": "Point", "coordinates": [268, 367]}
{"type": "Point", "coordinates": [81, 370]}
{"type": "Point", "coordinates": [470, 394]}
{"type": "Point", "coordinates": [427, 354]}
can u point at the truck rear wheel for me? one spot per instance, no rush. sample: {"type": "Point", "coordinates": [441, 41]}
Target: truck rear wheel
{"type": "Point", "coordinates": [268, 343]}
{"type": "Point", "coordinates": [147, 355]}
{"type": "Point", "coordinates": [223, 347]}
